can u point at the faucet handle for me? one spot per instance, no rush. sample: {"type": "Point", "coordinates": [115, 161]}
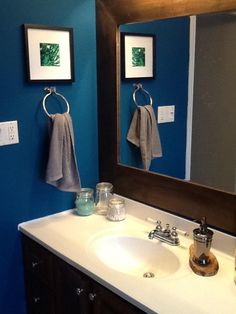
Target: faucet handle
{"type": "Point", "coordinates": [174, 235]}
{"type": "Point", "coordinates": [174, 232]}
{"type": "Point", "coordinates": [159, 226]}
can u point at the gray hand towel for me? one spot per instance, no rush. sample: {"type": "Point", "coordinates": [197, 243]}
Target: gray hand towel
{"type": "Point", "coordinates": [62, 171]}
{"type": "Point", "coordinates": [156, 142]}
{"type": "Point", "coordinates": [143, 133]}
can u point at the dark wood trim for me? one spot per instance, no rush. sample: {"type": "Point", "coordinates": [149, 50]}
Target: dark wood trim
{"type": "Point", "coordinates": [181, 198]}
{"type": "Point", "coordinates": [131, 11]}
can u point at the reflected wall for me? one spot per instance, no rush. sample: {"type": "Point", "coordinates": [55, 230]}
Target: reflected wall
{"type": "Point", "coordinates": [214, 107]}
{"type": "Point", "coordinates": [170, 87]}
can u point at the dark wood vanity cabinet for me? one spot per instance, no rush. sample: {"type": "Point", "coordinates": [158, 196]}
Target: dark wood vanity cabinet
{"type": "Point", "coordinates": [55, 287]}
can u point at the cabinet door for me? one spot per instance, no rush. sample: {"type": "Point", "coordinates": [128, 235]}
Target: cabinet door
{"type": "Point", "coordinates": [72, 289]}
{"type": "Point", "coordinates": [40, 299]}
{"type": "Point", "coordinates": [38, 277]}
{"type": "Point", "coordinates": [106, 302]}
{"type": "Point", "coordinates": [37, 261]}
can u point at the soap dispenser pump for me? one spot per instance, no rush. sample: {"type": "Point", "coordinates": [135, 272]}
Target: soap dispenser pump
{"type": "Point", "coordinates": [202, 237]}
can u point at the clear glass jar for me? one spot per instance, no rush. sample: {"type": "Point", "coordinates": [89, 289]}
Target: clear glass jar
{"type": "Point", "coordinates": [103, 194]}
{"type": "Point", "coordinates": [116, 209]}
{"type": "Point", "coordinates": [84, 202]}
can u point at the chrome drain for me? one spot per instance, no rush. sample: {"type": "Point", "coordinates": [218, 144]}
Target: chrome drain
{"type": "Point", "coordinates": [148, 275]}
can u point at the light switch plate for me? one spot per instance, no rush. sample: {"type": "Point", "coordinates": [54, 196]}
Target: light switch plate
{"type": "Point", "coordinates": [166, 114]}
{"type": "Point", "coordinates": [9, 133]}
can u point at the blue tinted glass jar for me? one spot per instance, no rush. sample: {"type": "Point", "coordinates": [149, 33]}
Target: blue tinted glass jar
{"type": "Point", "coordinates": [84, 202]}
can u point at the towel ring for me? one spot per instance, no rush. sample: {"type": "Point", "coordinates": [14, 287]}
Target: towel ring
{"type": "Point", "coordinates": [52, 90]}
{"type": "Point", "coordinates": [138, 87]}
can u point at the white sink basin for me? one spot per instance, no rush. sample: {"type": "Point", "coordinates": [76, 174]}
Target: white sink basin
{"type": "Point", "coordinates": [135, 256]}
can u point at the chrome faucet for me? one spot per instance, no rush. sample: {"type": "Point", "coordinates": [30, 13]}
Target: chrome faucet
{"type": "Point", "coordinates": [166, 235]}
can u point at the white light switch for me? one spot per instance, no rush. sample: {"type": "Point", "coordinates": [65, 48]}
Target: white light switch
{"type": "Point", "coordinates": [9, 133]}
{"type": "Point", "coordinates": [166, 114]}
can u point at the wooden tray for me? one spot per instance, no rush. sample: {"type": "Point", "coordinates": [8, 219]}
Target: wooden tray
{"type": "Point", "coordinates": [206, 270]}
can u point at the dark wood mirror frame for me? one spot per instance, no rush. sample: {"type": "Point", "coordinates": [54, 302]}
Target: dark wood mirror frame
{"type": "Point", "coordinates": [175, 196]}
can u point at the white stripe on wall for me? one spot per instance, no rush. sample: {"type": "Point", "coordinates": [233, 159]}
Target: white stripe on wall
{"type": "Point", "coordinates": [192, 41]}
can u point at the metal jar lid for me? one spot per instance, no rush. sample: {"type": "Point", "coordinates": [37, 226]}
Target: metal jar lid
{"type": "Point", "coordinates": [116, 202]}
{"type": "Point", "coordinates": [104, 186]}
{"type": "Point", "coordinates": [85, 192]}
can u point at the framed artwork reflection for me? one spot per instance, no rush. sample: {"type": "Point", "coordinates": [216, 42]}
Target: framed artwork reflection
{"type": "Point", "coordinates": [137, 56]}
{"type": "Point", "coordinates": [49, 53]}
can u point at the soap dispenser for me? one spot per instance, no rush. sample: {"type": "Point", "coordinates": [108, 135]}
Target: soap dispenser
{"type": "Point", "coordinates": [201, 260]}
{"type": "Point", "coordinates": [202, 238]}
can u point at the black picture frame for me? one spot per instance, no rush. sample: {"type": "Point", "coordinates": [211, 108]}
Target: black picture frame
{"type": "Point", "coordinates": [138, 54]}
{"type": "Point", "coordinates": [49, 53]}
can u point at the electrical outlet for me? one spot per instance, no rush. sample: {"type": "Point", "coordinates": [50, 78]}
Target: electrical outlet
{"type": "Point", "coordinates": [9, 133]}
{"type": "Point", "coordinates": [166, 114]}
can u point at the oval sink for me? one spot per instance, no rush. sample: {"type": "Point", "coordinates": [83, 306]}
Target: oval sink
{"type": "Point", "coordinates": [135, 256]}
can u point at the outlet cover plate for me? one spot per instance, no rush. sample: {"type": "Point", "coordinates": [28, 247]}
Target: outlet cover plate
{"type": "Point", "coordinates": [9, 133]}
{"type": "Point", "coordinates": [166, 114]}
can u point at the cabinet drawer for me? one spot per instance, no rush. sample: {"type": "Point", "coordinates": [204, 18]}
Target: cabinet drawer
{"type": "Point", "coordinates": [38, 261]}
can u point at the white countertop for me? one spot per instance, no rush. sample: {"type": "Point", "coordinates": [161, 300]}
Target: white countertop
{"type": "Point", "coordinates": [70, 236]}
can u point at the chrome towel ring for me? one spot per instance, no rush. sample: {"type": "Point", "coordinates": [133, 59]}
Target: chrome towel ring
{"type": "Point", "coordinates": [50, 91]}
{"type": "Point", "coordinates": [138, 87]}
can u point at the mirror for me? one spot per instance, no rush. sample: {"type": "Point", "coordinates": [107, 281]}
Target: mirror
{"type": "Point", "coordinates": [197, 145]}
{"type": "Point", "coordinates": [185, 199]}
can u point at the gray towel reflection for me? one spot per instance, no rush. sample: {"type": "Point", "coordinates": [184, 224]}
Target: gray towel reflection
{"type": "Point", "coordinates": [143, 133]}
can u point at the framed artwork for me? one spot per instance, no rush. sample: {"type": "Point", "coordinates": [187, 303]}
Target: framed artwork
{"type": "Point", "coordinates": [49, 53]}
{"type": "Point", "coordinates": [137, 56]}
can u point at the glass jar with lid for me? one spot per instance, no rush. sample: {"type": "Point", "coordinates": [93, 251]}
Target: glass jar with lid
{"type": "Point", "coordinates": [116, 209]}
{"type": "Point", "coordinates": [84, 202]}
{"type": "Point", "coordinates": [103, 194]}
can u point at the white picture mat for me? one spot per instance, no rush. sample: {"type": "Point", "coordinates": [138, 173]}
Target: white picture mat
{"type": "Point", "coordinates": [138, 42]}
{"type": "Point", "coordinates": [38, 72]}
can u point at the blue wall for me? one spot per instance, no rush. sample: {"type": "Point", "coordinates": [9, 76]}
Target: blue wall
{"type": "Point", "coordinates": [170, 87]}
{"type": "Point", "coordinates": [24, 195]}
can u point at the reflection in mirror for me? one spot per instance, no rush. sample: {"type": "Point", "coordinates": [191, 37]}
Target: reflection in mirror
{"type": "Point", "coordinates": [199, 145]}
